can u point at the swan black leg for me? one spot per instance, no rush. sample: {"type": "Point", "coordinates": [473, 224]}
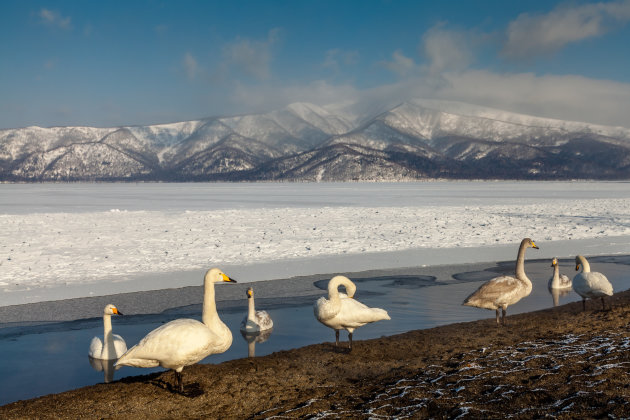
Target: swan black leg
{"type": "Point", "coordinates": [336, 338]}
{"type": "Point", "coordinates": [583, 304]}
{"type": "Point", "coordinates": [498, 321]}
{"type": "Point", "coordinates": [503, 314]}
{"type": "Point", "coordinates": [350, 338]}
{"type": "Point", "coordinates": [179, 382]}
{"type": "Point", "coordinates": [603, 304]}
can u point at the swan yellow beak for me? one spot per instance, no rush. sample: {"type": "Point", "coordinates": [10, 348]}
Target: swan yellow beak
{"type": "Point", "coordinates": [116, 311]}
{"type": "Point", "coordinates": [249, 293]}
{"type": "Point", "coordinates": [534, 245]}
{"type": "Point", "coordinates": [577, 267]}
{"type": "Point", "coordinates": [227, 279]}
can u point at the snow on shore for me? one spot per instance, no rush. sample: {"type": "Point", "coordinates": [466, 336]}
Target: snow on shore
{"type": "Point", "coordinates": [61, 248]}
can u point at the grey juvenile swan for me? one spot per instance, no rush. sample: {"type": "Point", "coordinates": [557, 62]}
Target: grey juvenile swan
{"type": "Point", "coordinates": [502, 291]}
{"type": "Point", "coordinates": [590, 284]}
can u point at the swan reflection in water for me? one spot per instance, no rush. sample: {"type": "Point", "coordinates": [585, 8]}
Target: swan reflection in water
{"type": "Point", "coordinates": [557, 293]}
{"type": "Point", "coordinates": [105, 366]}
{"type": "Point", "coordinates": [255, 337]}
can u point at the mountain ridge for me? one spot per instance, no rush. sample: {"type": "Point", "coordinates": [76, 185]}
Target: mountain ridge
{"type": "Point", "coordinates": [417, 139]}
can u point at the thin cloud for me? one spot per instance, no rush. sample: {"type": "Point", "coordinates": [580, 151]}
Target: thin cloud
{"type": "Point", "coordinates": [400, 64]}
{"type": "Point", "coordinates": [54, 18]}
{"type": "Point", "coordinates": [251, 58]}
{"type": "Point", "coordinates": [191, 67]}
{"type": "Point", "coordinates": [447, 49]}
{"type": "Point", "coordinates": [337, 58]}
{"type": "Point", "coordinates": [532, 35]}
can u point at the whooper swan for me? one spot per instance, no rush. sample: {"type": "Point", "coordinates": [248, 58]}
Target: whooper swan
{"type": "Point", "coordinates": [558, 281]}
{"type": "Point", "coordinates": [502, 291]}
{"type": "Point", "coordinates": [255, 321]}
{"type": "Point", "coordinates": [184, 342]}
{"type": "Point", "coordinates": [590, 284]}
{"type": "Point", "coordinates": [341, 311]}
{"type": "Point", "coordinates": [112, 346]}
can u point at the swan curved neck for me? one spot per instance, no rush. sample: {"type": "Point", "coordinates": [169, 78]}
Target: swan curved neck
{"type": "Point", "coordinates": [520, 262]}
{"type": "Point", "coordinates": [333, 287]}
{"type": "Point", "coordinates": [586, 267]}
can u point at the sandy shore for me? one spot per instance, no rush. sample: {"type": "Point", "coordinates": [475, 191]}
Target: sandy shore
{"type": "Point", "coordinates": [560, 362]}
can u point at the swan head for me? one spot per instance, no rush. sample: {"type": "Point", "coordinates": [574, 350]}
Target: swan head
{"type": "Point", "coordinates": [214, 275]}
{"type": "Point", "coordinates": [111, 310]}
{"type": "Point", "coordinates": [554, 262]}
{"type": "Point", "coordinates": [250, 293]}
{"type": "Point", "coordinates": [578, 262]}
{"type": "Point", "coordinates": [529, 243]}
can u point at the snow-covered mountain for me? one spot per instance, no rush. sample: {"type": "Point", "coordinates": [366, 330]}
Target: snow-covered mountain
{"type": "Point", "coordinates": [413, 140]}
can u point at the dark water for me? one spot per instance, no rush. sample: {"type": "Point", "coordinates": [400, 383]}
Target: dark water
{"type": "Point", "coordinates": [51, 358]}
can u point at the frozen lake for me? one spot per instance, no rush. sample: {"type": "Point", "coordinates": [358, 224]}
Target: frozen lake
{"type": "Point", "coordinates": [72, 240]}
{"type": "Point", "coordinates": [62, 241]}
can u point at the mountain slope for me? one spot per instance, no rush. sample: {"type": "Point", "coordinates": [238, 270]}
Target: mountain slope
{"type": "Point", "coordinates": [414, 140]}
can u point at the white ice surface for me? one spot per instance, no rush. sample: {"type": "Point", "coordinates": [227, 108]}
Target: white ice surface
{"type": "Point", "coordinates": [68, 244]}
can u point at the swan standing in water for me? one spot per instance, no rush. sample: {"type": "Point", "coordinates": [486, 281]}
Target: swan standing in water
{"type": "Point", "coordinates": [255, 321]}
{"type": "Point", "coordinates": [113, 346]}
{"type": "Point", "coordinates": [590, 284]}
{"type": "Point", "coordinates": [502, 291]}
{"type": "Point", "coordinates": [341, 311]}
{"type": "Point", "coordinates": [184, 342]}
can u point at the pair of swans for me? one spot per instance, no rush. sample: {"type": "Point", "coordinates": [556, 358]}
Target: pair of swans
{"type": "Point", "coordinates": [500, 292]}
{"type": "Point", "coordinates": [341, 311]}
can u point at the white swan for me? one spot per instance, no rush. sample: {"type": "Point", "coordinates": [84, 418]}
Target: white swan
{"type": "Point", "coordinates": [341, 311]}
{"type": "Point", "coordinates": [255, 321]}
{"type": "Point", "coordinates": [502, 291]}
{"type": "Point", "coordinates": [112, 346]}
{"type": "Point", "coordinates": [590, 284]}
{"type": "Point", "coordinates": [558, 281]}
{"type": "Point", "coordinates": [184, 342]}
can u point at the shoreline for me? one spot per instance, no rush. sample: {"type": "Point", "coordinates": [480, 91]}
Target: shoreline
{"type": "Point", "coordinates": [280, 270]}
{"type": "Point", "coordinates": [559, 361]}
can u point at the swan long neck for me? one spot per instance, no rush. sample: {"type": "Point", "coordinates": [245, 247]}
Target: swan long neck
{"type": "Point", "coordinates": [556, 274]}
{"type": "Point", "coordinates": [209, 316]}
{"type": "Point", "coordinates": [251, 312]}
{"type": "Point", "coordinates": [586, 267]}
{"type": "Point", "coordinates": [108, 340]}
{"type": "Point", "coordinates": [520, 262]}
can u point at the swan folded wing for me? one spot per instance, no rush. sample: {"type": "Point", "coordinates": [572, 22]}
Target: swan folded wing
{"type": "Point", "coordinates": [173, 345]}
{"type": "Point", "coordinates": [325, 310]}
{"type": "Point", "coordinates": [592, 284]}
{"type": "Point", "coordinates": [497, 292]}
{"type": "Point", "coordinates": [355, 314]}
{"type": "Point", "coordinates": [96, 348]}
{"type": "Point", "coordinates": [119, 345]}
{"type": "Point", "coordinates": [264, 320]}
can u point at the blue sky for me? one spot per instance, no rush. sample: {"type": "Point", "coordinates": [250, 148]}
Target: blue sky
{"type": "Point", "coordinates": [145, 62]}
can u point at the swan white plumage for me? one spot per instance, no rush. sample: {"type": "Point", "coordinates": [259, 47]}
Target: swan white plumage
{"type": "Point", "coordinates": [502, 291]}
{"type": "Point", "coordinates": [590, 284]}
{"type": "Point", "coordinates": [341, 311]}
{"type": "Point", "coordinates": [112, 346]}
{"type": "Point", "coordinates": [184, 342]}
{"type": "Point", "coordinates": [255, 321]}
{"type": "Point", "coordinates": [557, 280]}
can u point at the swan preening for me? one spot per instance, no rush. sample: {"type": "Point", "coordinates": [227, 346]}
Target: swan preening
{"type": "Point", "coordinates": [557, 280]}
{"type": "Point", "coordinates": [184, 342]}
{"type": "Point", "coordinates": [590, 284]}
{"type": "Point", "coordinates": [502, 291]}
{"type": "Point", "coordinates": [341, 311]}
{"type": "Point", "coordinates": [112, 346]}
{"type": "Point", "coordinates": [255, 321]}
